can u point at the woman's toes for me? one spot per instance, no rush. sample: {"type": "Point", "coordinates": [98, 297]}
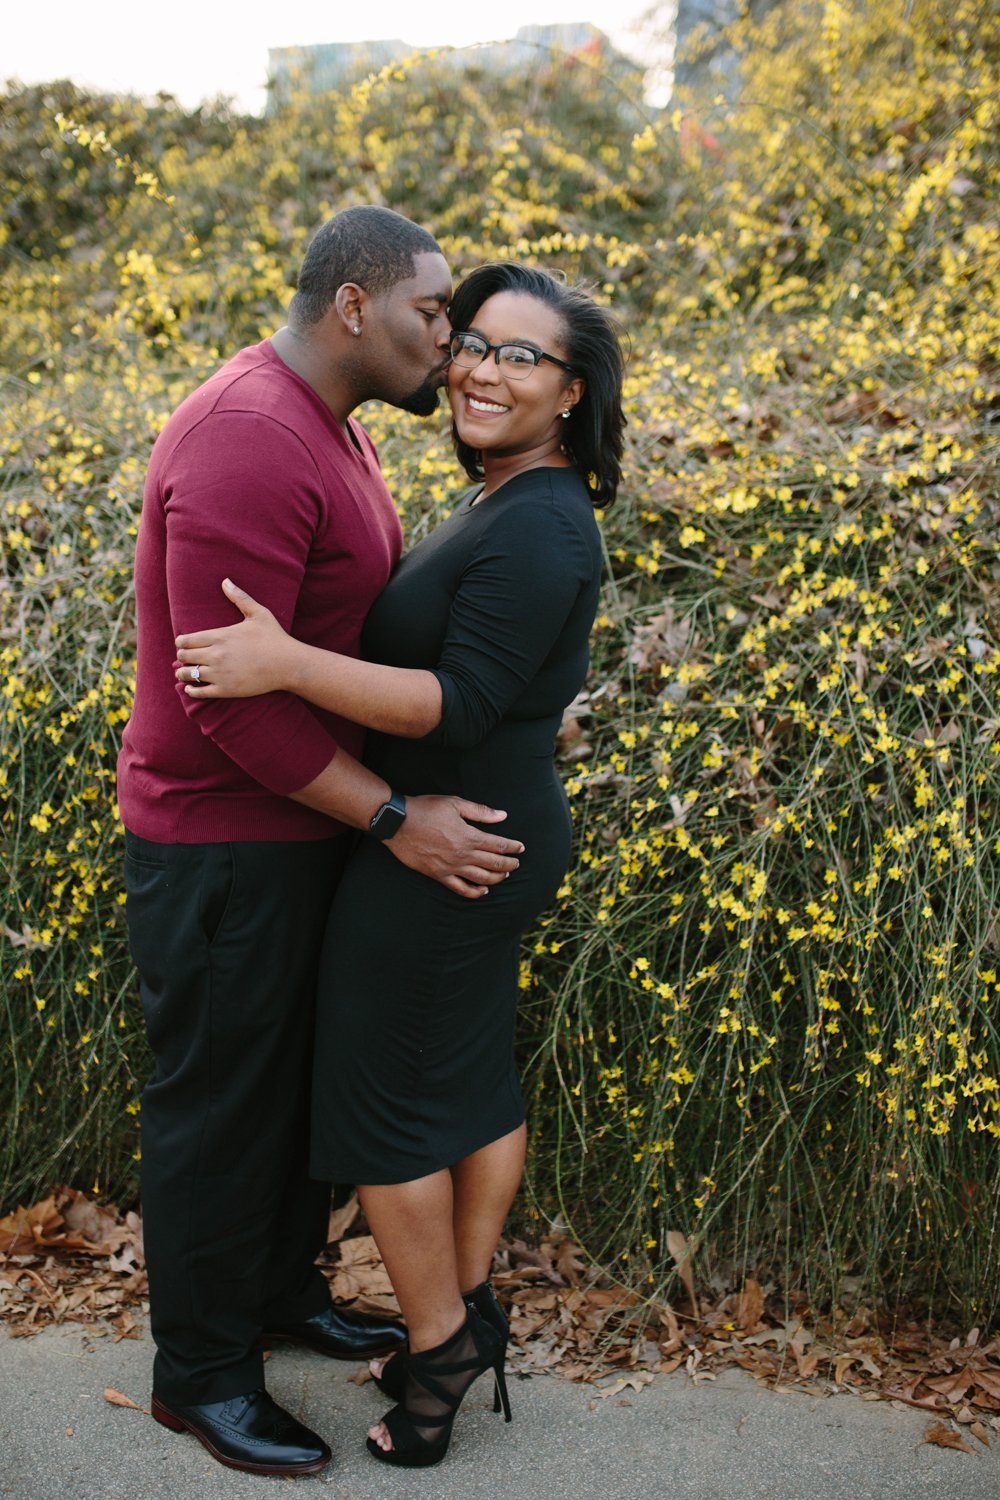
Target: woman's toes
{"type": "Point", "coordinates": [379, 1435]}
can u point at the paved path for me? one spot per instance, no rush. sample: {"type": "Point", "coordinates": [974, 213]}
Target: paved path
{"type": "Point", "coordinates": [727, 1439]}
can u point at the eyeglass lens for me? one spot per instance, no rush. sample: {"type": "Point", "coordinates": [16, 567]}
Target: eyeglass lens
{"type": "Point", "coordinates": [514, 359]}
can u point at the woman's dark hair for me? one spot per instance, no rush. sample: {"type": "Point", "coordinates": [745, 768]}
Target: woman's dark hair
{"type": "Point", "coordinates": [593, 436]}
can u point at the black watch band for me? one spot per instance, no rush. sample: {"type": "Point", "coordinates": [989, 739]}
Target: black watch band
{"type": "Point", "coordinates": [389, 818]}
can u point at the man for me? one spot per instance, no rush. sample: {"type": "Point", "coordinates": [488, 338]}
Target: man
{"type": "Point", "coordinates": [236, 817]}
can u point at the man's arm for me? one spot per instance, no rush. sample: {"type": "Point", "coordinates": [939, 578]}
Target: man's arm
{"type": "Point", "coordinates": [233, 496]}
{"type": "Point", "coordinates": [436, 838]}
{"type": "Point", "coordinates": [240, 485]}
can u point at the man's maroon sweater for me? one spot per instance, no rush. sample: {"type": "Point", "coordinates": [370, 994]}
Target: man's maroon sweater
{"type": "Point", "coordinates": [251, 479]}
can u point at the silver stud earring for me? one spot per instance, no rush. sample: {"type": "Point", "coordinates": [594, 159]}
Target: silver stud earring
{"type": "Point", "coordinates": [356, 329]}
{"type": "Point", "coordinates": [565, 414]}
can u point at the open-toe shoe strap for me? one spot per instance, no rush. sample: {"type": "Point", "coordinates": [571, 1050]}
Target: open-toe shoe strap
{"type": "Point", "coordinates": [403, 1426]}
{"type": "Point", "coordinates": [431, 1377]}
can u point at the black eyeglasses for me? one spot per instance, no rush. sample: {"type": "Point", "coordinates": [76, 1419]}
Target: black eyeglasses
{"type": "Point", "coordinates": [515, 360]}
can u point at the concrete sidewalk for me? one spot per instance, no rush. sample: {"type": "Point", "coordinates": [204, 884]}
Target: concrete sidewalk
{"type": "Point", "coordinates": [727, 1439]}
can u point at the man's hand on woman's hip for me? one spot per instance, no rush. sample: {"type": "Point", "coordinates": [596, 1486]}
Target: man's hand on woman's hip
{"type": "Point", "coordinates": [439, 838]}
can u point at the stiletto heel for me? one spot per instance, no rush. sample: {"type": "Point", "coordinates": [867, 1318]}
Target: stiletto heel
{"type": "Point", "coordinates": [500, 1397]}
{"type": "Point", "coordinates": [436, 1383]}
{"type": "Point", "coordinates": [484, 1299]}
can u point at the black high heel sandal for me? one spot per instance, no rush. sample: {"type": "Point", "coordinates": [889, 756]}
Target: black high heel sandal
{"type": "Point", "coordinates": [483, 1300]}
{"type": "Point", "coordinates": [436, 1383]}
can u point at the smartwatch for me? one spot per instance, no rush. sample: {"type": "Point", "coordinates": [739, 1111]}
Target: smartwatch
{"type": "Point", "coordinates": [389, 818]}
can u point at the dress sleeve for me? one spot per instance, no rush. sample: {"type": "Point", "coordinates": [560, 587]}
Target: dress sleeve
{"type": "Point", "coordinates": [512, 603]}
{"type": "Point", "coordinates": [244, 502]}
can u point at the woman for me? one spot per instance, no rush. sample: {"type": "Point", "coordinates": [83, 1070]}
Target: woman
{"type": "Point", "coordinates": [476, 647]}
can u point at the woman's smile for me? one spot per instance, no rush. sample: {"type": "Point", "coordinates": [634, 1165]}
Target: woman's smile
{"type": "Point", "coordinates": [483, 407]}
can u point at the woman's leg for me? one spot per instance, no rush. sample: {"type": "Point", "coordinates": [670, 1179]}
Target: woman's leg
{"type": "Point", "coordinates": [484, 1185]}
{"type": "Point", "coordinates": [412, 1225]}
{"type": "Point", "coordinates": [437, 1236]}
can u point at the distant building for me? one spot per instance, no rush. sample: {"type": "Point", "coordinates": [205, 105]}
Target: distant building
{"type": "Point", "coordinates": [714, 68]}
{"type": "Point", "coordinates": [331, 66]}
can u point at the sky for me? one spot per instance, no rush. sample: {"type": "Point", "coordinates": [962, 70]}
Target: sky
{"type": "Point", "coordinates": [197, 49]}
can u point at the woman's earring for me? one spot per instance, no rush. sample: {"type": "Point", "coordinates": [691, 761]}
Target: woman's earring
{"type": "Point", "coordinates": [356, 328]}
{"type": "Point", "coordinates": [566, 414]}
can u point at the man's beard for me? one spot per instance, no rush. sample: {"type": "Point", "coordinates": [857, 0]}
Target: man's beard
{"type": "Point", "coordinates": [424, 400]}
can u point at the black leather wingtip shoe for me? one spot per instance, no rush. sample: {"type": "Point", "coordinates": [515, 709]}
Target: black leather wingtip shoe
{"type": "Point", "coordinates": [249, 1432]}
{"type": "Point", "coordinates": [341, 1335]}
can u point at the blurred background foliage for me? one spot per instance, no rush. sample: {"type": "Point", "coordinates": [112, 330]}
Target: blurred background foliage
{"type": "Point", "coordinates": [764, 1012]}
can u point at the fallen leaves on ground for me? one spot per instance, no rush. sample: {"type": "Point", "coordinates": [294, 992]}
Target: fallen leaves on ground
{"type": "Point", "coordinates": [70, 1260]}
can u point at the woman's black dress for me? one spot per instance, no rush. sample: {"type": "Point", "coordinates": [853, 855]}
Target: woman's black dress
{"type": "Point", "coordinates": [418, 986]}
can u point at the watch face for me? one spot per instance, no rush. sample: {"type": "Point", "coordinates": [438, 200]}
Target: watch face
{"type": "Point", "coordinates": [389, 818]}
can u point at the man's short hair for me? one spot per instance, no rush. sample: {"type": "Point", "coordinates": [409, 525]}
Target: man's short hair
{"type": "Point", "coordinates": [371, 246]}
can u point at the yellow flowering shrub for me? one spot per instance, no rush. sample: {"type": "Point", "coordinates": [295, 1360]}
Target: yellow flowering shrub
{"type": "Point", "coordinates": [763, 1010]}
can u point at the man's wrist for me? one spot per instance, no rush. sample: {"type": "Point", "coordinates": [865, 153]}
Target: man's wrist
{"type": "Point", "coordinates": [389, 818]}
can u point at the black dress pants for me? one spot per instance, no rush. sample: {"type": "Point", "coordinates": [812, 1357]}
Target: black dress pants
{"type": "Point", "coordinates": [226, 938]}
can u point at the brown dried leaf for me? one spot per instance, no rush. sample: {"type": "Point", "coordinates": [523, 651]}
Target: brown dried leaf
{"type": "Point", "coordinates": [115, 1398]}
{"type": "Point", "coordinates": [777, 1336]}
{"type": "Point", "coordinates": [749, 1305]}
{"type": "Point", "coordinates": [627, 1383]}
{"type": "Point", "coordinates": [661, 639]}
{"type": "Point", "coordinates": [925, 1403]}
{"type": "Point", "coordinates": [360, 1278]}
{"type": "Point", "coordinates": [540, 1301]}
{"type": "Point", "coordinates": [341, 1219]}
{"type": "Point", "coordinates": [570, 739]}
{"type": "Point", "coordinates": [978, 1430]}
{"type": "Point", "coordinates": [89, 1226]}
{"type": "Point", "coordinates": [670, 1336]}
{"type": "Point", "coordinates": [943, 1436]}
{"type": "Point", "coordinates": [26, 1228]}
{"type": "Point", "coordinates": [681, 1252]}
{"type": "Point", "coordinates": [601, 1297]}
{"type": "Point", "coordinates": [915, 1342]}
{"type": "Point", "coordinates": [568, 1262]}
{"type": "Point", "coordinates": [952, 1387]}
{"type": "Point", "coordinates": [988, 1381]}
{"type": "Point", "coordinates": [521, 1255]}
{"type": "Point", "coordinates": [125, 1262]}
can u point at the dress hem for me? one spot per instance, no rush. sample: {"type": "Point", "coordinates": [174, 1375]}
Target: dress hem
{"type": "Point", "coordinates": [351, 1174]}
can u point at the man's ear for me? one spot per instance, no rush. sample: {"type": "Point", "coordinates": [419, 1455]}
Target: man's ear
{"type": "Point", "coordinates": [350, 302]}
